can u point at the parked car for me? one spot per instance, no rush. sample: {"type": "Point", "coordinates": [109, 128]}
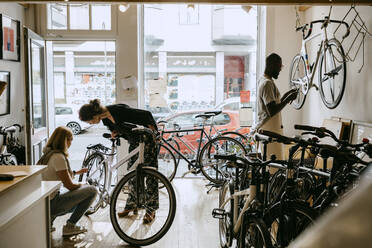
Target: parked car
{"type": "Point", "coordinates": [226, 121]}
{"type": "Point", "coordinates": [232, 103]}
{"type": "Point", "coordinates": [66, 115]}
{"type": "Point", "coordinates": [159, 112]}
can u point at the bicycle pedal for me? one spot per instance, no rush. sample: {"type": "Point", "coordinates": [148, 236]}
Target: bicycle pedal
{"type": "Point", "coordinates": [218, 213]}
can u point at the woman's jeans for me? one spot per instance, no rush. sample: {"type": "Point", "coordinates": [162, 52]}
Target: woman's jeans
{"type": "Point", "coordinates": [75, 201]}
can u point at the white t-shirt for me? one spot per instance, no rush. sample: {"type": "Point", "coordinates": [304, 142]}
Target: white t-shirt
{"type": "Point", "coordinates": [267, 92]}
{"type": "Point", "coordinates": [57, 162]}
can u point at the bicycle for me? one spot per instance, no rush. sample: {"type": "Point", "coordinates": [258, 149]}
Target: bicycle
{"type": "Point", "coordinates": [287, 217]}
{"type": "Point", "coordinates": [133, 186]}
{"type": "Point", "coordinates": [332, 66]}
{"type": "Point", "coordinates": [242, 204]}
{"type": "Point", "coordinates": [203, 160]}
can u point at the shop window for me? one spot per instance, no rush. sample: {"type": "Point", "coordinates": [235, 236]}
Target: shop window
{"type": "Point", "coordinates": [78, 16]}
{"type": "Point", "coordinates": [201, 61]}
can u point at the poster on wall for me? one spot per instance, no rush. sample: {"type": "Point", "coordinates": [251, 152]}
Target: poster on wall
{"type": "Point", "coordinates": [10, 39]}
{"type": "Point", "coordinates": [5, 96]}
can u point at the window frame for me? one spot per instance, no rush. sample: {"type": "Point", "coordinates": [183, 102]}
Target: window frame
{"type": "Point", "coordinates": [76, 34]}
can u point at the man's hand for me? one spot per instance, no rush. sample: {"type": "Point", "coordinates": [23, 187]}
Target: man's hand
{"type": "Point", "coordinates": [293, 95]}
{"type": "Point", "coordinates": [114, 134]}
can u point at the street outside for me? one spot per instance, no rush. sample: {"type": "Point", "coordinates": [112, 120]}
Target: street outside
{"type": "Point", "coordinates": [92, 135]}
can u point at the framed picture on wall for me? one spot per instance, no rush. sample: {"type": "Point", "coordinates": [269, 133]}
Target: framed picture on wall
{"type": "Point", "coordinates": [10, 39]}
{"type": "Point", "coordinates": [5, 95]}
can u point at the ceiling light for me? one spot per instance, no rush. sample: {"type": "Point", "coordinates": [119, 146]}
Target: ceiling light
{"type": "Point", "coordinates": [123, 7]}
{"type": "Point", "coordinates": [247, 8]}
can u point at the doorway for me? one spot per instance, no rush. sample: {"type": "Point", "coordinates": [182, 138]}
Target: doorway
{"type": "Point", "coordinates": [82, 71]}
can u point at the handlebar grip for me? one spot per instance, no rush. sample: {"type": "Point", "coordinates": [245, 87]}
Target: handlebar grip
{"type": "Point", "coordinates": [106, 135]}
{"type": "Point", "coordinates": [305, 127]}
{"type": "Point", "coordinates": [262, 138]}
{"type": "Point", "coordinates": [278, 137]}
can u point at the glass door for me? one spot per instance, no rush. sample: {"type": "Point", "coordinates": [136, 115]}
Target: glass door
{"type": "Point", "coordinates": [36, 97]}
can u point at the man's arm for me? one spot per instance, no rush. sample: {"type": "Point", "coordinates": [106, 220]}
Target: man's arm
{"type": "Point", "coordinates": [274, 108]}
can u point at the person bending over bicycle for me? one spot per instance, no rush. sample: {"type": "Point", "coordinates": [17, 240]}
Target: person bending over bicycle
{"type": "Point", "coordinates": [120, 119]}
{"type": "Point", "coordinates": [79, 197]}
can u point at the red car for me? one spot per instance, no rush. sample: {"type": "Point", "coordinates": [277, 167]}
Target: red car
{"type": "Point", "coordinates": [225, 121]}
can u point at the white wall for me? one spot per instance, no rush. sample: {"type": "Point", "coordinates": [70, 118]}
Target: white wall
{"type": "Point", "coordinates": [358, 91]}
{"type": "Point", "coordinates": [281, 38]}
{"type": "Point", "coordinates": [17, 72]}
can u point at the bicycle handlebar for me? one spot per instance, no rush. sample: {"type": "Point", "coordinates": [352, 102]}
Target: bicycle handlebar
{"type": "Point", "coordinates": [245, 161]}
{"type": "Point", "coordinates": [324, 22]}
{"type": "Point", "coordinates": [278, 137]}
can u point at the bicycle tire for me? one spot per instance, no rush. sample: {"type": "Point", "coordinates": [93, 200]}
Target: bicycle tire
{"type": "Point", "coordinates": [305, 216]}
{"type": "Point", "coordinates": [167, 164]}
{"type": "Point", "coordinates": [213, 169]}
{"type": "Point", "coordinates": [225, 226]}
{"type": "Point", "coordinates": [134, 222]}
{"type": "Point", "coordinates": [254, 233]}
{"type": "Point", "coordinates": [298, 64]}
{"type": "Point", "coordinates": [239, 137]}
{"type": "Point", "coordinates": [92, 163]}
{"type": "Point", "coordinates": [339, 70]}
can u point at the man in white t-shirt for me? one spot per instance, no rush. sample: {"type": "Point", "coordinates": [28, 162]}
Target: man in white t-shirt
{"type": "Point", "coordinates": [270, 104]}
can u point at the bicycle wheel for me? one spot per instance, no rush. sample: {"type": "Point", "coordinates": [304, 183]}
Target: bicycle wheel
{"type": "Point", "coordinates": [254, 233]}
{"type": "Point", "coordinates": [131, 228]}
{"type": "Point", "coordinates": [226, 224]}
{"type": "Point", "coordinates": [278, 222]}
{"type": "Point", "coordinates": [332, 74]}
{"type": "Point", "coordinates": [214, 169]}
{"type": "Point", "coordinates": [95, 176]}
{"type": "Point", "coordinates": [175, 144]}
{"type": "Point", "coordinates": [241, 138]}
{"type": "Point", "coordinates": [298, 80]}
{"type": "Point", "coordinates": [167, 164]}
{"type": "Point", "coordinates": [277, 186]}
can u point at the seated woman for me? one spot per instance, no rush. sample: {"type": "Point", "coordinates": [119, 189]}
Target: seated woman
{"type": "Point", "coordinates": [73, 198]}
{"type": "Point", "coordinates": [116, 117]}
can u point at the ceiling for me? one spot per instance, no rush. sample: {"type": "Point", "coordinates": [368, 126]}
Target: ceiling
{"type": "Point", "coordinates": [258, 2]}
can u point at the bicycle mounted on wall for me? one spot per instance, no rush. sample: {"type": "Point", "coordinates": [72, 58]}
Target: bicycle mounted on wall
{"type": "Point", "coordinates": [332, 65]}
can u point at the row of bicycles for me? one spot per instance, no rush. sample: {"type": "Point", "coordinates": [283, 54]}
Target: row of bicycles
{"type": "Point", "coordinates": [262, 209]}
{"type": "Point", "coordinates": [256, 208]}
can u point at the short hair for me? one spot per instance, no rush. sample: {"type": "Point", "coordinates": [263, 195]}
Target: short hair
{"type": "Point", "coordinates": [91, 109]}
{"type": "Point", "coordinates": [272, 62]}
{"type": "Point", "coordinates": [58, 139]}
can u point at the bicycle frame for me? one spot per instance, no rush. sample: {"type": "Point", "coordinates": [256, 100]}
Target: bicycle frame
{"type": "Point", "coordinates": [202, 132]}
{"type": "Point", "coordinates": [309, 75]}
{"type": "Point", "coordinates": [107, 162]}
{"type": "Point", "coordinates": [237, 220]}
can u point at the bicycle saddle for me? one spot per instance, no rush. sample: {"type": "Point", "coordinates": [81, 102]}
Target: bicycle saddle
{"type": "Point", "coordinates": [11, 129]}
{"type": "Point", "coordinates": [206, 116]}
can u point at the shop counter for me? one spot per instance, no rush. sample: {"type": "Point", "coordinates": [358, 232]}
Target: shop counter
{"type": "Point", "coordinates": [24, 207]}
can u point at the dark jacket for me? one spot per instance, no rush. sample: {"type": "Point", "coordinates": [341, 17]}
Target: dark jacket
{"type": "Point", "coordinates": [126, 118]}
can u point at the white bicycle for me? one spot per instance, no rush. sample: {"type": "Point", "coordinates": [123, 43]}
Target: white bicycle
{"type": "Point", "coordinates": [101, 164]}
